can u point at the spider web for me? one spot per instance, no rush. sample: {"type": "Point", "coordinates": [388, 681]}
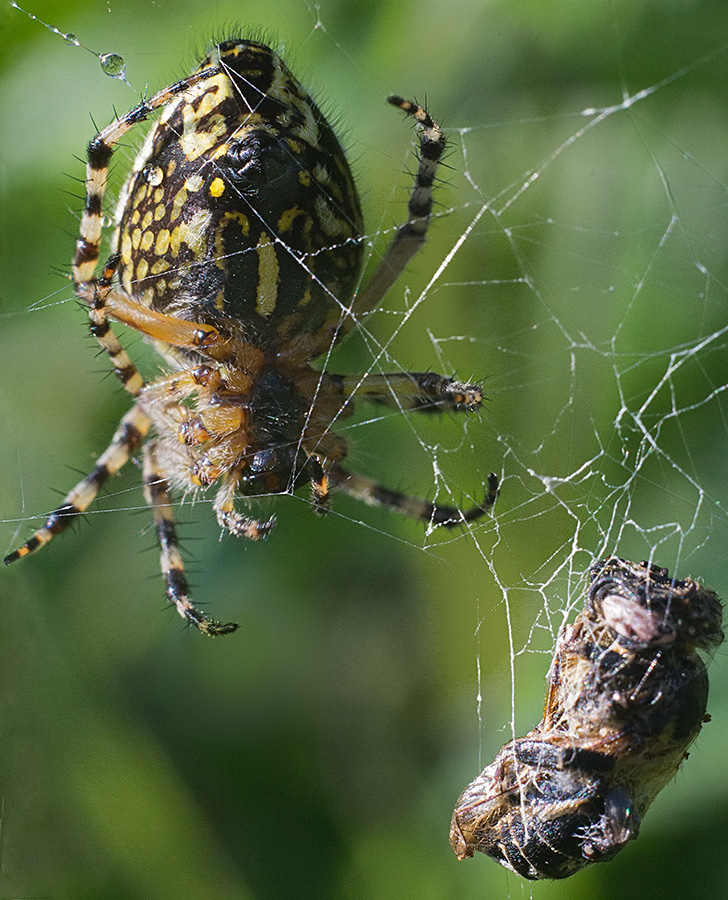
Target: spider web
{"type": "Point", "coordinates": [576, 264]}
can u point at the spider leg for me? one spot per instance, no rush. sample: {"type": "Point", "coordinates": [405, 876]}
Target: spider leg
{"type": "Point", "coordinates": [410, 236]}
{"type": "Point", "coordinates": [421, 391]}
{"type": "Point", "coordinates": [102, 331]}
{"type": "Point", "coordinates": [156, 493]}
{"type": "Point", "coordinates": [407, 241]}
{"type": "Point", "coordinates": [233, 521]}
{"type": "Point", "coordinates": [128, 436]}
{"type": "Point", "coordinates": [320, 492]}
{"type": "Point", "coordinates": [162, 327]}
{"type": "Point", "coordinates": [371, 492]}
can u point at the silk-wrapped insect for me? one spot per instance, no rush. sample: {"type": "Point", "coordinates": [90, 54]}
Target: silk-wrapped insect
{"type": "Point", "coordinates": [627, 695]}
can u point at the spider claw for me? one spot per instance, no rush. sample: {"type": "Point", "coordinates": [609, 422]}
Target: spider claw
{"type": "Point", "coordinates": [177, 595]}
{"type": "Point", "coordinates": [16, 554]}
{"type": "Point", "coordinates": [452, 516]}
{"type": "Point", "coordinates": [245, 526]}
{"type": "Point", "coordinates": [213, 628]}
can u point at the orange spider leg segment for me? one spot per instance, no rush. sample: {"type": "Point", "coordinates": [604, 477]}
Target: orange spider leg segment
{"type": "Point", "coordinates": [213, 423]}
{"type": "Point", "coordinates": [160, 326]}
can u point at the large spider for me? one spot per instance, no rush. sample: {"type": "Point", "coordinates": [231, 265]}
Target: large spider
{"type": "Point", "coordinates": [238, 252]}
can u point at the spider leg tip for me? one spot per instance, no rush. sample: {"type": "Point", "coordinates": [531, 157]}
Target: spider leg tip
{"type": "Point", "coordinates": [15, 555]}
{"type": "Point", "coordinates": [491, 493]}
{"type": "Point", "coordinates": [212, 628]}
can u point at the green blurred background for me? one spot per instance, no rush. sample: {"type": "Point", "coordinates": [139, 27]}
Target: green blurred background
{"type": "Point", "coordinates": [318, 752]}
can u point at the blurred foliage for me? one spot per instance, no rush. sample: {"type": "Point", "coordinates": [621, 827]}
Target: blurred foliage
{"type": "Point", "coordinates": [318, 752]}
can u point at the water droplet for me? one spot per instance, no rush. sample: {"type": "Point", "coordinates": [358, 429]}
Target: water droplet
{"type": "Point", "coordinates": [154, 175]}
{"type": "Point", "coordinates": [113, 65]}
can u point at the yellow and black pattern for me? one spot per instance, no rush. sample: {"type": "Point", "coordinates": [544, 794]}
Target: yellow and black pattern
{"type": "Point", "coordinates": [242, 204]}
{"type": "Point", "coordinates": [127, 438]}
{"type": "Point", "coordinates": [237, 253]}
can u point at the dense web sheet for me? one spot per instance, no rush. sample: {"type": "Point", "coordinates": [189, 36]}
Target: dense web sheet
{"type": "Point", "coordinates": [576, 264]}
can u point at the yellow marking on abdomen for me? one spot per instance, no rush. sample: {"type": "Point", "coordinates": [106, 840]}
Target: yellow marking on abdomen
{"type": "Point", "coordinates": [268, 277]}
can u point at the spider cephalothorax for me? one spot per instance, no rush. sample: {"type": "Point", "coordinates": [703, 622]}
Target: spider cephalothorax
{"type": "Point", "coordinates": [238, 253]}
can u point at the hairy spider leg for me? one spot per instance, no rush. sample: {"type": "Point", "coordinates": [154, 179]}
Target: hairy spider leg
{"type": "Point", "coordinates": [156, 493]}
{"type": "Point", "coordinates": [127, 438]}
{"type": "Point", "coordinates": [420, 391]}
{"type": "Point", "coordinates": [411, 236]}
{"type": "Point", "coordinates": [100, 328]}
{"type": "Point", "coordinates": [233, 521]}
{"type": "Point", "coordinates": [371, 492]}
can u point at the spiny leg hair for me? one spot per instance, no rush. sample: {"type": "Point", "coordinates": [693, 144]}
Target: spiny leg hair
{"type": "Point", "coordinates": [156, 494]}
{"type": "Point", "coordinates": [411, 236]}
{"type": "Point", "coordinates": [369, 491]}
{"type": "Point", "coordinates": [127, 438]}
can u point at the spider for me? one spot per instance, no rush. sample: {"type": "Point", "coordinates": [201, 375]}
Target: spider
{"type": "Point", "coordinates": [237, 253]}
{"type": "Point", "coordinates": [626, 697]}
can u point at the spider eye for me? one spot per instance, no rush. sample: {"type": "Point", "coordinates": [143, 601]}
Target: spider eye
{"type": "Point", "coordinates": [262, 460]}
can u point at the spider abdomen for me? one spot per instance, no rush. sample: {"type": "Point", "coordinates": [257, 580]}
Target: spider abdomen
{"type": "Point", "coordinates": [242, 182]}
